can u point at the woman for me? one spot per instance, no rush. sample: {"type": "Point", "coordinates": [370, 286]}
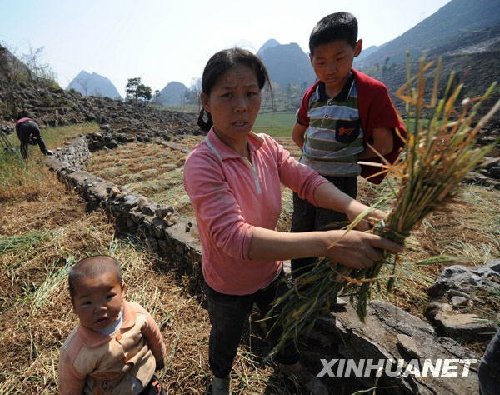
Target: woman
{"type": "Point", "coordinates": [233, 179]}
{"type": "Point", "coordinates": [29, 133]}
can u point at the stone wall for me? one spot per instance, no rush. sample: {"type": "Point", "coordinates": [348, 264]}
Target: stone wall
{"type": "Point", "coordinates": [388, 334]}
{"type": "Point", "coordinates": [163, 231]}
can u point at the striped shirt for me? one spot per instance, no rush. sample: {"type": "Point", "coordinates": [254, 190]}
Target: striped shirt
{"type": "Point", "coordinates": [334, 137]}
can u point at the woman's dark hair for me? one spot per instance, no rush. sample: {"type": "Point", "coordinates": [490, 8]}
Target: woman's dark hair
{"type": "Point", "coordinates": [334, 27]}
{"type": "Point", "coordinates": [222, 62]}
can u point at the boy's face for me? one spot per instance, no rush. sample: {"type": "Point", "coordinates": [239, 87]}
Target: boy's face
{"type": "Point", "coordinates": [97, 301]}
{"type": "Point", "coordinates": [332, 63]}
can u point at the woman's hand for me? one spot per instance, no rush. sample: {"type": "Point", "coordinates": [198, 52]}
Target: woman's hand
{"type": "Point", "coordinates": [357, 249]}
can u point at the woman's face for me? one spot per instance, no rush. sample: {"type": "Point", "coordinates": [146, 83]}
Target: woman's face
{"type": "Point", "coordinates": [234, 102]}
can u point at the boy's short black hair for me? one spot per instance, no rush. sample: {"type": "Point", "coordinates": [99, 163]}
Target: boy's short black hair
{"type": "Point", "coordinates": [93, 266]}
{"type": "Point", "coordinates": [334, 27]}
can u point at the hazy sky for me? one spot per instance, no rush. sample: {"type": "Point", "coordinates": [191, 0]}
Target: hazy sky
{"type": "Point", "coordinates": [163, 41]}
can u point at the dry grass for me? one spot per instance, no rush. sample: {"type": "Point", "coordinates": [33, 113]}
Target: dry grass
{"type": "Point", "coordinates": [152, 170]}
{"type": "Point", "coordinates": [43, 231]}
{"type": "Point", "coordinates": [467, 231]}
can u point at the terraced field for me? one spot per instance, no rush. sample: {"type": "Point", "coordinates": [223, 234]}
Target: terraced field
{"type": "Point", "coordinates": [155, 170]}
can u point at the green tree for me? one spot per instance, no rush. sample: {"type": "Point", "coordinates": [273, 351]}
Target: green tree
{"type": "Point", "coordinates": [137, 90]}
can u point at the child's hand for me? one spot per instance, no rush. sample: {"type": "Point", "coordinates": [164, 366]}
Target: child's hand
{"type": "Point", "coordinates": [298, 134]}
{"type": "Point", "coordinates": [159, 365]}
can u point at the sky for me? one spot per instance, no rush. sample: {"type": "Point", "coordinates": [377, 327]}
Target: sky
{"type": "Point", "coordinates": [164, 40]}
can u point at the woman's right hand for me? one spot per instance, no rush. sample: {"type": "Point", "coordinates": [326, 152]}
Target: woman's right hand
{"type": "Point", "coordinates": [356, 249]}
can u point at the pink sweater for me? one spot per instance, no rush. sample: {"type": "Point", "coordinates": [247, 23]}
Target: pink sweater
{"type": "Point", "coordinates": [231, 196]}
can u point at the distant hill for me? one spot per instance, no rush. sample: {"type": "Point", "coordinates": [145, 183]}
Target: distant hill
{"type": "Point", "coordinates": [366, 52]}
{"type": "Point", "coordinates": [93, 84]}
{"type": "Point", "coordinates": [268, 44]}
{"type": "Point", "coordinates": [286, 63]}
{"type": "Point", "coordinates": [173, 94]}
{"type": "Point", "coordinates": [10, 65]}
{"type": "Point", "coordinates": [443, 31]}
{"type": "Point", "coordinates": [466, 35]}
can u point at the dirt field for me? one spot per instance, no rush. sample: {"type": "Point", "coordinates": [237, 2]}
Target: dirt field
{"type": "Point", "coordinates": [44, 229]}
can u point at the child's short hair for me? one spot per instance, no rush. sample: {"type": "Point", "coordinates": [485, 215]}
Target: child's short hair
{"type": "Point", "coordinates": [334, 27]}
{"type": "Point", "coordinates": [93, 266]}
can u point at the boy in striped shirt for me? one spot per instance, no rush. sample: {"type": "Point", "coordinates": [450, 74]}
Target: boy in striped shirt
{"type": "Point", "coordinates": [340, 114]}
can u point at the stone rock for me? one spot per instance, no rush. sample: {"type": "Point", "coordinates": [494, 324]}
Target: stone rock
{"type": "Point", "coordinates": [148, 209]}
{"type": "Point", "coordinates": [141, 202]}
{"type": "Point", "coordinates": [459, 301]}
{"type": "Point", "coordinates": [407, 347]}
{"type": "Point", "coordinates": [464, 279]}
{"type": "Point", "coordinates": [458, 325]}
{"type": "Point", "coordinates": [494, 172]}
{"type": "Point", "coordinates": [130, 201]}
{"type": "Point", "coordinates": [158, 224]}
{"type": "Point", "coordinates": [390, 333]}
{"type": "Point", "coordinates": [112, 191]}
{"type": "Point", "coordinates": [162, 211]}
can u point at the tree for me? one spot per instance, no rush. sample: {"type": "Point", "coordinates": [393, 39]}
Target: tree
{"type": "Point", "coordinates": [37, 70]}
{"type": "Point", "coordinates": [137, 90]}
{"type": "Point", "coordinates": [192, 95]}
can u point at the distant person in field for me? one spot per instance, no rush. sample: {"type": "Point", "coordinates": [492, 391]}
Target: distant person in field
{"type": "Point", "coordinates": [28, 132]}
{"type": "Point", "coordinates": [234, 180]}
{"type": "Point", "coordinates": [341, 117]}
{"type": "Point", "coordinates": [117, 345]}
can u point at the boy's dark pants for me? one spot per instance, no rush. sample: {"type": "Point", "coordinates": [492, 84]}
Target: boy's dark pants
{"type": "Point", "coordinates": [489, 368]}
{"type": "Point", "coordinates": [308, 218]}
{"type": "Point", "coordinates": [228, 314]}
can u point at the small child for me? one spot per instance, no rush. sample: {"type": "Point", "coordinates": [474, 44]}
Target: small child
{"type": "Point", "coordinates": [117, 345]}
{"type": "Point", "coordinates": [339, 115]}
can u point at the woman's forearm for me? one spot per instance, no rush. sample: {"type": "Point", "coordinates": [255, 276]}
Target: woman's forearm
{"type": "Point", "coordinates": [271, 245]}
{"type": "Point", "coordinates": [350, 248]}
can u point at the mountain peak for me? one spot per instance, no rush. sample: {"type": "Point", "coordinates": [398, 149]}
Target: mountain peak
{"type": "Point", "coordinates": [93, 84]}
{"type": "Point", "coordinates": [173, 94]}
{"type": "Point", "coordinates": [286, 63]}
{"type": "Point", "coordinates": [268, 44]}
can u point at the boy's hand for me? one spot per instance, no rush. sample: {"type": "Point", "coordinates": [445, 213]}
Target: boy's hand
{"type": "Point", "coordinates": [298, 134]}
{"type": "Point", "coordinates": [382, 144]}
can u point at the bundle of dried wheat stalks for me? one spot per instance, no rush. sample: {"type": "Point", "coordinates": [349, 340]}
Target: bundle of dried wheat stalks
{"type": "Point", "coordinates": [440, 150]}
